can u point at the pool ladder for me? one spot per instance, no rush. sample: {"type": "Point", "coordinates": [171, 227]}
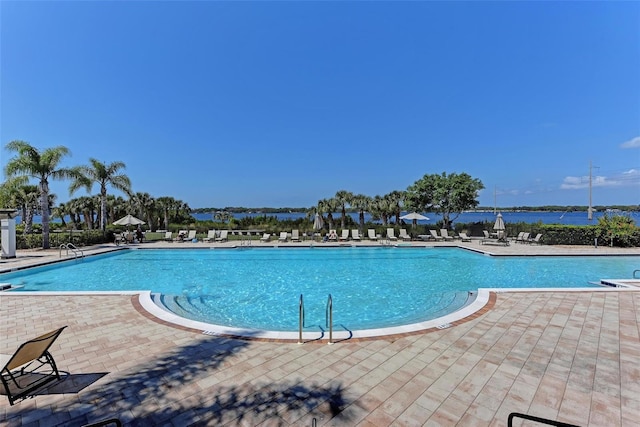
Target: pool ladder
{"type": "Point", "coordinates": [71, 247]}
{"type": "Point", "coordinates": [328, 316]}
{"type": "Point", "coordinates": [245, 241]}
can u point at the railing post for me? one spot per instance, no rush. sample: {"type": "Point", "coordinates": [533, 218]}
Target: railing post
{"type": "Point", "coordinates": [329, 315]}
{"type": "Point", "coordinates": [300, 319]}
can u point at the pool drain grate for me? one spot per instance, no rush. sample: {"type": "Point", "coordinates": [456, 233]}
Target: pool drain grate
{"type": "Point", "coordinates": [444, 326]}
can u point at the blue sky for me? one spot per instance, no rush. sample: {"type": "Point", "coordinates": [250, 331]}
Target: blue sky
{"type": "Point", "coordinates": [285, 103]}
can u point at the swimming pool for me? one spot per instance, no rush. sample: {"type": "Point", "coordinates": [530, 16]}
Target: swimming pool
{"type": "Point", "coordinates": [260, 288]}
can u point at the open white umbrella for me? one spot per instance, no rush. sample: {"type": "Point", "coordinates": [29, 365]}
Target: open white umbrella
{"type": "Point", "coordinates": [129, 220]}
{"type": "Point", "coordinates": [414, 216]}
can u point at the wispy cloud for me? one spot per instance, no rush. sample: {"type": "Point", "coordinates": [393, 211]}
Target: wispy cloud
{"type": "Point", "coordinates": [632, 143]}
{"type": "Point", "coordinates": [630, 177]}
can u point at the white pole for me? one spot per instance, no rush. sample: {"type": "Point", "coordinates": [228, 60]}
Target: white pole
{"type": "Point", "coordinates": [590, 210]}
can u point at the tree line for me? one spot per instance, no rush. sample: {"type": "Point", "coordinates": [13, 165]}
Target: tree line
{"type": "Point", "coordinates": [446, 194]}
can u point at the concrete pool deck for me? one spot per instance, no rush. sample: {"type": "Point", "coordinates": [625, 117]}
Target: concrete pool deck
{"type": "Point", "coordinates": [570, 356]}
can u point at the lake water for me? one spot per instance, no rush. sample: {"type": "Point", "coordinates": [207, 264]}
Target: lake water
{"type": "Point", "coordinates": [565, 218]}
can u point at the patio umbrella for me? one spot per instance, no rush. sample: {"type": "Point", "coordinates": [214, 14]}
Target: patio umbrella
{"type": "Point", "coordinates": [414, 216]}
{"type": "Point", "coordinates": [499, 225]}
{"type": "Point", "coordinates": [318, 223]}
{"type": "Point", "coordinates": [129, 220]}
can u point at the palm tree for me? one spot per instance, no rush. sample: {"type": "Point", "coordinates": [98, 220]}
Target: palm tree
{"type": "Point", "coordinates": [362, 203]}
{"type": "Point", "coordinates": [394, 200]}
{"type": "Point", "coordinates": [144, 206]}
{"type": "Point", "coordinates": [102, 174]}
{"type": "Point", "coordinates": [24, 198]}
{"type": "Point", "coordinates": [328, 206]}
{"type": "Point", "coordinates": [343, 198]}
{"type": "Point", "coordinates": [41, 165]}
{"type": "Point", "coordinates": [61, 211]}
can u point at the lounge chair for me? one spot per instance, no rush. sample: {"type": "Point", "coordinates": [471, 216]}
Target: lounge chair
{"type": "Point", "coordinates": [265, 237]}
{"type": "Point", "coordinates": [295, 235]}
{"type": "Point", "coordinates": [519, 238]}
{"type": "Point", "coordinates": [345, 235]}
{"type": "Point", "coordinates": [463, 236]}
{"type": "Point", "coordinates": [182, 234]}
{"type": "Point", "coordinates": [391, 235]}
{"type": "Point", "coordinates": [501, 239]}
{"type": "Point", "coordinates": [30, 367]}
{"type": "Point", "coordinates": [168, 236]}
{"type": "Point", "coordinates": [333, 235]}
{"type": "Point", "coordinates": [372, 234]}
{"type": "Point", "coordinates": [191, 236]}
{"type": "Point", "coordinates": [211, 235]}
{"type": "Point", "coordinates": [435, 235]}
{"type": "Point", "coordinates": [486, 235]}
{"type": "Point", "coordinates": [355, 235]}
{"type": "Point", "coordinates": [223, 237]}
{"type": "Point", "coordinates": [403, 234]}
{"type": "Point", "coordinates": [536, 239]}
{"type": "Point", "coordinates": [118, 238]}
{"type": "Point", "coordinates": [445, 234]}
{"type": "Point", "coordinates": [283, 236]}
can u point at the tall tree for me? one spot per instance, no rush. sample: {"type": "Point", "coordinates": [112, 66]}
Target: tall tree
{"type": "Point", "coordinates": [449, 195]}
{"type": "Point", "coordinates": [102, 174]}
{"type": "Point", "coordinates": [343, 198]}
{"type": "Point", "coordinates": [30, 162]}
{"type": "Point", "coordinates": [328, 206]}
{"type": "Point", "coordinates": [362, 203]}
{"type": "Point", "coordinates": [394, 203]}
{"type": "Point", "coordinates": [144, 206]}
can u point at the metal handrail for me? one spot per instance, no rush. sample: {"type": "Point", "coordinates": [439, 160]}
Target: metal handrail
{"type": "Point", "coordinates": [73, 248]}
{"type": "Point", "coordinates": [300, 318]}
{"type": "Point", "coordinates": [329, 318]}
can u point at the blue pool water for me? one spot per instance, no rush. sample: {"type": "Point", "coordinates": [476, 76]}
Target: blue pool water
{"type": "Point", "coordinates": [370, 287]}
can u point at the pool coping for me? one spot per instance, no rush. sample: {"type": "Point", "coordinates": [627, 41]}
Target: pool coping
{"type": "Point", "coordinates": [143, 303]}
{"type": "Point", "coordinates": [484, 301]}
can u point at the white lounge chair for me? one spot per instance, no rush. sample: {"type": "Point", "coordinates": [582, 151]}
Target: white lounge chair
{"type": "Point", "coordinates": [519, 238]}
{"type": "Point", "coordinates": [345, 235]}
{"type": "Point", "coordinates": [536, 239]}
{"type": "Point", "coordinates": [168, 236]}
{"type": "Point", "coordinates": [372, 234]}
{"type": "Point", "coordinates": [283, 236]}
{"type": "Point", "coordinates": [391, 235]}
{"type": "Point", "coordinates": [333, 235]}
{"type": "Point", "coordinates": [403, 234]}
{"type": "Point", "coordinates": [191, 236]}
{"type": "Point", "coordinates": [463, 236]}
{"type": "Point", "coordinates": [295, 235]}
{"type": "Point", "coordinates": [211, 235]}
{"type": "Point", "coordinates": [223, 237]}
{"type": "Point", "coordinates": [182, 234]}
{"type": "Point", "coordinates": [355, 235]}
{"type": "Point", "coordinates": [445, 234]}
{"type": "Point", "coordinates": [435, 235]}
{"type": "Point", "coordinates": [265, 237]}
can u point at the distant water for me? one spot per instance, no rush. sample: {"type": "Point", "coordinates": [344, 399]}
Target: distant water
{"type": "Point", "coordinates": [566, 218]}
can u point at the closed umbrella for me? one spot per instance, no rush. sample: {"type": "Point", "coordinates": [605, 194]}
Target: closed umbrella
{"type": "Point", "coordinates": [318, 223]}
{"type": "Point", "coordinates": [499, 225]}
